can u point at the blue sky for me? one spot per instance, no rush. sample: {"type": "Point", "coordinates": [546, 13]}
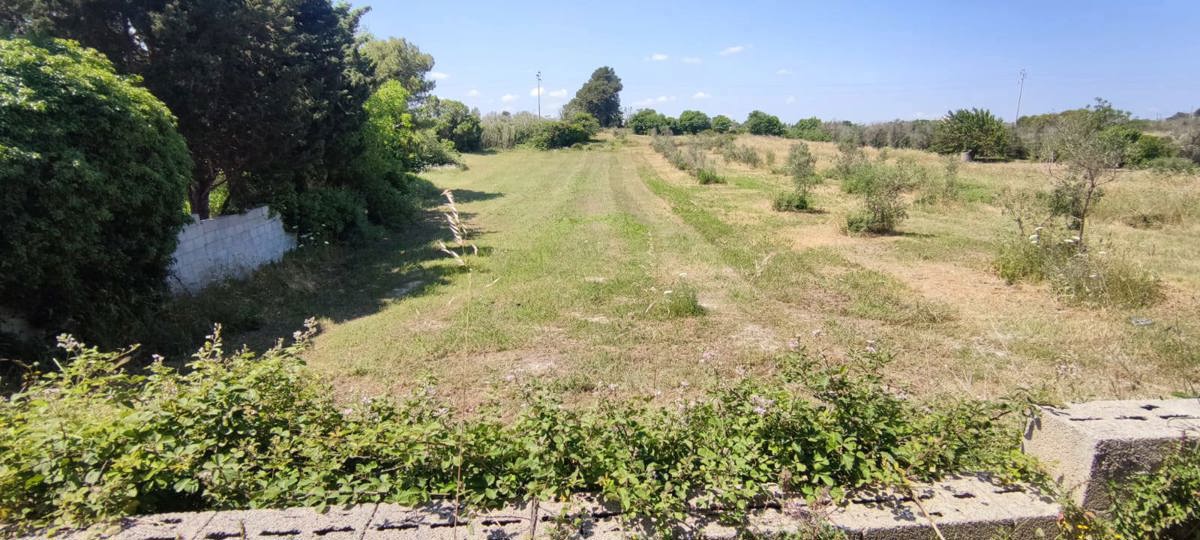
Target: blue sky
{"type": "Point", "coordinates": [850, 60]}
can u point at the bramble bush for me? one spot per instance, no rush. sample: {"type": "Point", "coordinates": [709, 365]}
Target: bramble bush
{"type": "Point", "coordinates": [95, 177]}
{"type": "Point", "coordinates": [92, 441]}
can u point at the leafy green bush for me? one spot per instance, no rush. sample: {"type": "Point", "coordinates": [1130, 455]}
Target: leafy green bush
{"type": "Point", "coordinates": [578, 129]}
{"type": "Point", "coordinates": [1104, 278]}
{"type": "Point", "coordinates": [326, 214]}
{"type": "Point", "coordinates": [809, 129]}
{"type": "Point", "coordinates": [741, 153]}
{"type": "Point", "coordinates": [1171, 165]}
{"type": "Point", "coordinates": [791, 201]}
{"type": "Point", "coordinates": [94, 181]}
{"type": "Point", "coordinates": [1098, 278]}
{"type": "Point", "coordinates": [974, 133]}
{"type": "Point", "coordinates": [94, 442]}
{"type": "Point", "coordinates": [761, 123]}
{"type": "Point", "coordinates": [648, 121]}
{"type": "Point", "coordinates": [884, 207]}
{"type": "Point", "coordinates": [723, 124]}
{"type": "Point", "coordinates": [1161, 503]}
{"type": "Point", "coordinates": [452, 121]}
{"type": "Point", "coordinates": [694, 122]}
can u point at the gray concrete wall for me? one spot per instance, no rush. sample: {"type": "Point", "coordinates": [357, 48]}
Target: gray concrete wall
{"type": "Point", "coordinates": [225, 247]}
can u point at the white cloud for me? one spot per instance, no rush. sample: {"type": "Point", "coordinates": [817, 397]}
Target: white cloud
{"type": "Point", "coordinates": [508, 98]}
{"type": "Point", "coordinates": [561, 92]}
{"type": "Point", "coordinates": [790, 100]}
{"type": "Point", "coordinates": [652, 101]}
{"type": "Point", "coordinates": [657, 57]}
{"type": "Point", "coordinates": [691, 60]}
{"type": "Point", "coordinates": [783, 71]}
{"type": "Point", "coordinates": [472, 93]}
{"type": "Point", "coordinates": [700, 95]}
{"type": "Point", "coordinates": [438, 75]}
{"type": "Point", "coordinates": [733, 50]}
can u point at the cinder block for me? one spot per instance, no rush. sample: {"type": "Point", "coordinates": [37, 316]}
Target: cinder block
{"type": "Point", "coordinates": [964, 507]}
{"type": "Point", "coordinates": [183, 526]}
{"type": "Point", "coordinates": [1086, 446]}
{"type": "Point", "coordinates": [336, 523]}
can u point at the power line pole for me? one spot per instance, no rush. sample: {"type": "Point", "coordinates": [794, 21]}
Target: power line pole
{"type": "Point", "coordinates": [1020, 94]}
{"type": "Point", "coordinates": [539, 93]}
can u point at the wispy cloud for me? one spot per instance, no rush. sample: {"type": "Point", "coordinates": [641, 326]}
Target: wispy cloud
{"type": "Point", "coordinates": [657, 57]}
{"type": "Point", "coordinates": [508, 98]}
{"type": "Point", "coordinates": [561, 92]}
{"type": "Point", "coordinates": [783, 71]}
{"type": "Point", "coordinates": [654, 100]}
{"type": "Point", "coordinates": [790, 100]}
{"type": "Point", "coordinates": [700, 95]}
{"type": "Point", "coordinates": [691, 60]}
{"type": "Point", "coordinates": [438, 75]}
{"type": "Point", "coordinates": [732, 50]}
{"type": "Point", "coordinates": [472, 93]}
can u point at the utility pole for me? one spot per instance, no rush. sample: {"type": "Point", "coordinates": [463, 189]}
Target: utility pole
{"type": "Point", "coordinates": [1020, 93]}
{"type": "Point", "coordinates": [539, 93]}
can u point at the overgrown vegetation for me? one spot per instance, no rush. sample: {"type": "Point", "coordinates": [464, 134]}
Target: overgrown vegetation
{"type": "Point", "coordinates": [94, 178]}
{"type": "Point", "coordinates": [690, 159]}
{"type": "Point", "coordinates": [801, 167]}
{"type": "Point", "coordinates": [93, 442]}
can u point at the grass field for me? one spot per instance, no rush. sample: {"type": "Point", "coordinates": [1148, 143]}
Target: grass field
{"type": "Point", "coordinates": [605, 270]}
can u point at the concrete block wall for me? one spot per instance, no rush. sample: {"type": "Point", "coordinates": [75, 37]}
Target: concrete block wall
{"type": "Point", "coordinates": [212, 250]}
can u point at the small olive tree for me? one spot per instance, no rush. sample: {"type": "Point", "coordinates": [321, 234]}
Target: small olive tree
{"type": "Point", "coordinates": [801, 167]}
{"type": "Point", "coordinates": [1091, 157]}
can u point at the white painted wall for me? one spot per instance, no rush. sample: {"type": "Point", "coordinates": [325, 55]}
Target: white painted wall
{"type": "Point", "coordinates": [226, 247]}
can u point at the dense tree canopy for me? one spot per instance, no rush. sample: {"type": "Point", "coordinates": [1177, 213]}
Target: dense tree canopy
{"type": "Point", "coordinates": [649, 121]}
{"type": "Point", "coordinates": [452, 121]}
{"type": "Point", "coordinates": [94, 178]}
{"type": "Point", "coordinates": [599, 97]}
{"type": "Point", "coordinates": [723, 124]}
{"type": "Point", "coordinates": [974, 132]}
{"type": "Point", "coordinates": [694, 121]}
{"type": "Point", "coordinates": [761, 123]}
{"type": "Point", "coordinates": [266, 92]}
{"type": "Point", "coordinates": [397, 59]}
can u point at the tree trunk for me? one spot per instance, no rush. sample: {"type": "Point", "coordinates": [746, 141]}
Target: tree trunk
{"type": "Point", "coordinates": [199, 189]}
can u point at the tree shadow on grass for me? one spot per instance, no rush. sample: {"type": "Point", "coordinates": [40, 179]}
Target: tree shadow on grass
{"type": "Point", "coordinates": [339, 283]}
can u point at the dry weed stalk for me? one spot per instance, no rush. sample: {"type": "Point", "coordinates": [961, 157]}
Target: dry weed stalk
{"type": "Point", "coordinates": [460, 231]}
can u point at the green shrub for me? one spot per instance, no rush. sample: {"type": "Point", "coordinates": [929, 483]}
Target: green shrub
{"type": "Point", "coordinates": [742, 154]}
{"type": "Point", "coordinates": [693, 122]}
{"type": "Point", "coordinates": [1107, 279]}
{"type": "Point", "coordinates": [94, 181]}
{"type": "Point", "coordinates": [883, 205]}
{"type": "Point", "coordinates": [1171, 165]}
{"type": "Point", "coordinates": [708, 176]}
{"type": "Point", "coordinates": [723, 124]}
{"type": "Point", "coordinates": [1148, 148]}
{"type": "Point", "coordinates": [325, 215]}
{"type": "Point", "coordinates": [761, 123]}
{"type": "Point", "coordinates": [1095, 277]}
{"type": "Point", "coordinates": [791, 201]}
{"type": "Point", "coordinates": [566, 133]}
{"type": "Point", "coordinates": [94, 442]}
{"type": "Point", "coordinates": [974, 133]}
{"type": "Point", "coordinates": [849, 160]}
{"type": "Point", "coordinates": [679, 301]}
{"type": "Point", "coordinates": [649, 121]}
{"type": "Point", "coordinates": [1161, 503]}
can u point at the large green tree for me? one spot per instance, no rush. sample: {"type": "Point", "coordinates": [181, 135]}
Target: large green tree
{"type": "Point", "coordinates": [694, 121]}
{"type": "Point", "coordinates": [267, 92]}
{"type": "Point", "coordinates": [599, 97]}
{"type": "Point", "coordinates": [93, 178]}
{"type": "Point", "coordinates": [452, 121]}
{"type": "Point", "coordinates": [397, 59]}
{"type": "Point", "coordinates": [973, 133]}
{"type": "Point", "coordinates": [761, 123]}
